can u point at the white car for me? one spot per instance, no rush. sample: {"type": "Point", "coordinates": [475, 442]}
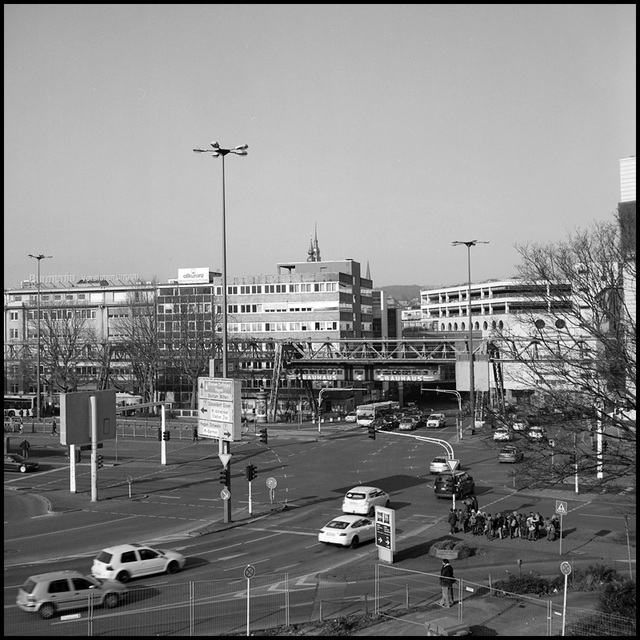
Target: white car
{"type": "Point", "coordinates": [351, 417]}
{"type": "Point", "coordinates": [436, 420]}
{"type": "Point", "coordinates": [439, 465]}
{"type": "Point", "coordinates": [363, 500]}
{"type": "Point", "coordinates": [502, 434]}
{"type": "Point", "coordinates": [408, 423]}
{"type": "Point", "coordinates": [126, 561]}
{"type": "Point", "coordinates": [347, 531]}
{"type": "Point", "coordinates": [537, 433]}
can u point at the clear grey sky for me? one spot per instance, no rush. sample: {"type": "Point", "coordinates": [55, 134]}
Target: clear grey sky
{"type": "Point", "coordinates": [395, 128]}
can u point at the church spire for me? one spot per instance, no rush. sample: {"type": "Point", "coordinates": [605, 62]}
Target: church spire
{"type": "Point", "coordinates": [314, 248]}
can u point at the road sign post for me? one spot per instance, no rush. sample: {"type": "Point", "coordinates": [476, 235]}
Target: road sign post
{"type": "Point", "coordinates": [561, 510]}
{"type": "Point", "coordinates": [565, 567]}
{"type": "Point", "coordinates": [249, 572]}
{"type": "Point", "coordinates": [385, 523]}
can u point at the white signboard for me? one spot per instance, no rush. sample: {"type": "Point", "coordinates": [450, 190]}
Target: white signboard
{"type": "Point", "coordinates": [219, 414]}
{"type": "Point", "coordinates": [198, 275]}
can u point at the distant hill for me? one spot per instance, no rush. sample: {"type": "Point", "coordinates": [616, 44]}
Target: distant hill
{"type": "Point", "coordinates": [407, 293]}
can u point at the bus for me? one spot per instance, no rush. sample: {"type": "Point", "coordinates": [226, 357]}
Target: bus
{"type": "Point", "coordinates": [367, 413]}
{"type": "Point", "coordinates": [20, 405]}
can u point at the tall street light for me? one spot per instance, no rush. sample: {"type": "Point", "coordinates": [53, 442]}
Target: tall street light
{"type": "Point", "coordinates": [472, 382]}
{"type": "Point", "coordinates": [38, 258]}
{"type": "Point", "coordinates": [217, 151]}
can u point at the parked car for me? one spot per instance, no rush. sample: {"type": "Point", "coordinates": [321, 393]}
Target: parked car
{"type": "Point", "coordinates": [537, 433]}
{"type": "Point", "coordinates": [126, 561]}
{"type": "Point", "coordinates": [58, 591]}
{"type": "Point", "coordinates": [408, 423]}
{"type": "Point", "coordinates": [510, 454]}
{"type": "Point", "coordinates": [502, 434]}
{"type": "Point", "coordinates": [459, 482]}
{"type": "Point", "coordinates": [436, 420]}
{"type": "Point", "coordinates": [363, 500]}
{"type": "Point", "coordinates": [351, 417]}
{"type": "Point", "coordinates": [347, 531]}
{"type": "Point", "coordinates": [439, 465]}
{"type": "Point", "coordinates": [14, 462]}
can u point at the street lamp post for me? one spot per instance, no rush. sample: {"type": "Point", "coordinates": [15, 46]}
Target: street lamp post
{"type": "Point", "coordinates": [472, 400]}
{"type": "Point", "coordinates": [38, 410]}
{"type": "Point", "coordinates": [217, 151]}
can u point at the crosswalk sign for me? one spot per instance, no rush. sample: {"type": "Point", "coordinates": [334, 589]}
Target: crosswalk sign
{"type": "Point", "coordinates": [561, 508]}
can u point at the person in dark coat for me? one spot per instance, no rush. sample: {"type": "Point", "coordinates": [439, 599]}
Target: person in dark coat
{"type": "Point", "coordinates": [446, 583]}
{"type": "Point", "coordinates": [453, 521]}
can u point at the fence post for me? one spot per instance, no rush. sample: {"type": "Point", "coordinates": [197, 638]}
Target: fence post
{"type": "Point", "coordinates": [406, 596]}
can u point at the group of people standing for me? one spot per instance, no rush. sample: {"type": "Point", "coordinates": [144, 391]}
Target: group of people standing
{"type": "Point", "coordinates": [502, 524]}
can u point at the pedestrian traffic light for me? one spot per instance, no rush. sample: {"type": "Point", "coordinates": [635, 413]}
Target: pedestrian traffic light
{"type": "Point", "coordinates": [251, 472]}
{"type": "Point", "coordinates": [225, 477]}
{"type": "Point", "coordinates": [264, 436]}
{"type": "Point", "coordinates": [100, 462]}
{"type": "Point", "coordinates": [166, 435]}
{"type": "Point", "coordinates": [372, 431]}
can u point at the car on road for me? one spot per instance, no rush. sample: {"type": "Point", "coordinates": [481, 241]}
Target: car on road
{"type": "Point", "coordinates": [458, 482]}
{"type": "Point", "coordinates": [408, 423]}
{"type": "Point", "coordinates": [510, 453]}
{"type": "Point", "coordinates": [126, 561]}
{"type": "Point", "coordinates": [502, 434]}
{"type": "Point", "coordinates": [436, 420]}
{"type": "Point", "coordinates": [58, 591]}
{"type": "Point", "coordinates": [537, 433]}
{"type": "Point", "coordinates": [363, 500]}
{"type": "Point", "coordinates": [439, 465]}
{"type": "Point", "coordinates": [351, 417]}
{"type": "Point", "coordinates": [14, 462]}
{"type": "Point", "coordinates": [390, 422]}
{"type": "Point", "coordinates": [347, 531]}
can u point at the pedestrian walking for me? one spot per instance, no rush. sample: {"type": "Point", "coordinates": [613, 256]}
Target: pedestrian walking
{"type": "Point", "coordinates": [25, 446]}
{"type": "Point", "coordinates": [446, 583]}
{"type": "Point", "coordinates": [20, 424]}
{"type": "Point", "coordinates": [54, 426]}
{"type": "Point", "coordinates": [195, 434]}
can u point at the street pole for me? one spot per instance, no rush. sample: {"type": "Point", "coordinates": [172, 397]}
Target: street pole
{"type": "Point", "coordinates": [472, 402]}
{"type": "Point", "coordinates": [38, 408]}
{"type": "Point", "coordinates": [216, 151]}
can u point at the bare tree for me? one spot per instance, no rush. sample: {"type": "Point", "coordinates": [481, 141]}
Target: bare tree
{"type": "Point", "coordinates": [579, 358]}
{"type": "Point", "coordinates": [65, 344]}
{"type": "Point", "coordinates": [136, 343]}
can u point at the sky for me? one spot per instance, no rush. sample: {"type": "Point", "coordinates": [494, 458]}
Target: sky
{"type": "Point", "coordinates": [388, 130]}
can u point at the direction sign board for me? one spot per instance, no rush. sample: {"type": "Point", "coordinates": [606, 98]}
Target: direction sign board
{"type": "Point", "coordinates": [561, 508]}
{"type": "Point", "coordinates": [385, 521]}
{"type": "Point", "coordinates": [219, 414]}
{"type": "Point", "coordinates": [453, 464]}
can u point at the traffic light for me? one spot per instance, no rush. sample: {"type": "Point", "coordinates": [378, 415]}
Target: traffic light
{"type": "Point", "coordinates": [100, 462]}
{"type": "Point", "coordinates": [225, 477]}
{"type": "Point", "coordinates": [372, 431]}
{"type": "Point", "coordinates": [263, 436]}
{"type": "Point", "coordinates": [160, 434]}
{"type": "Point", "coordinates": [166, 435]}
{"type": "Point", "coordinates": [251, 472]}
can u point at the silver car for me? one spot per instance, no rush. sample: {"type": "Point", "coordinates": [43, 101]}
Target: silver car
{"type": "Point", "coordinates": [57, 591]}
